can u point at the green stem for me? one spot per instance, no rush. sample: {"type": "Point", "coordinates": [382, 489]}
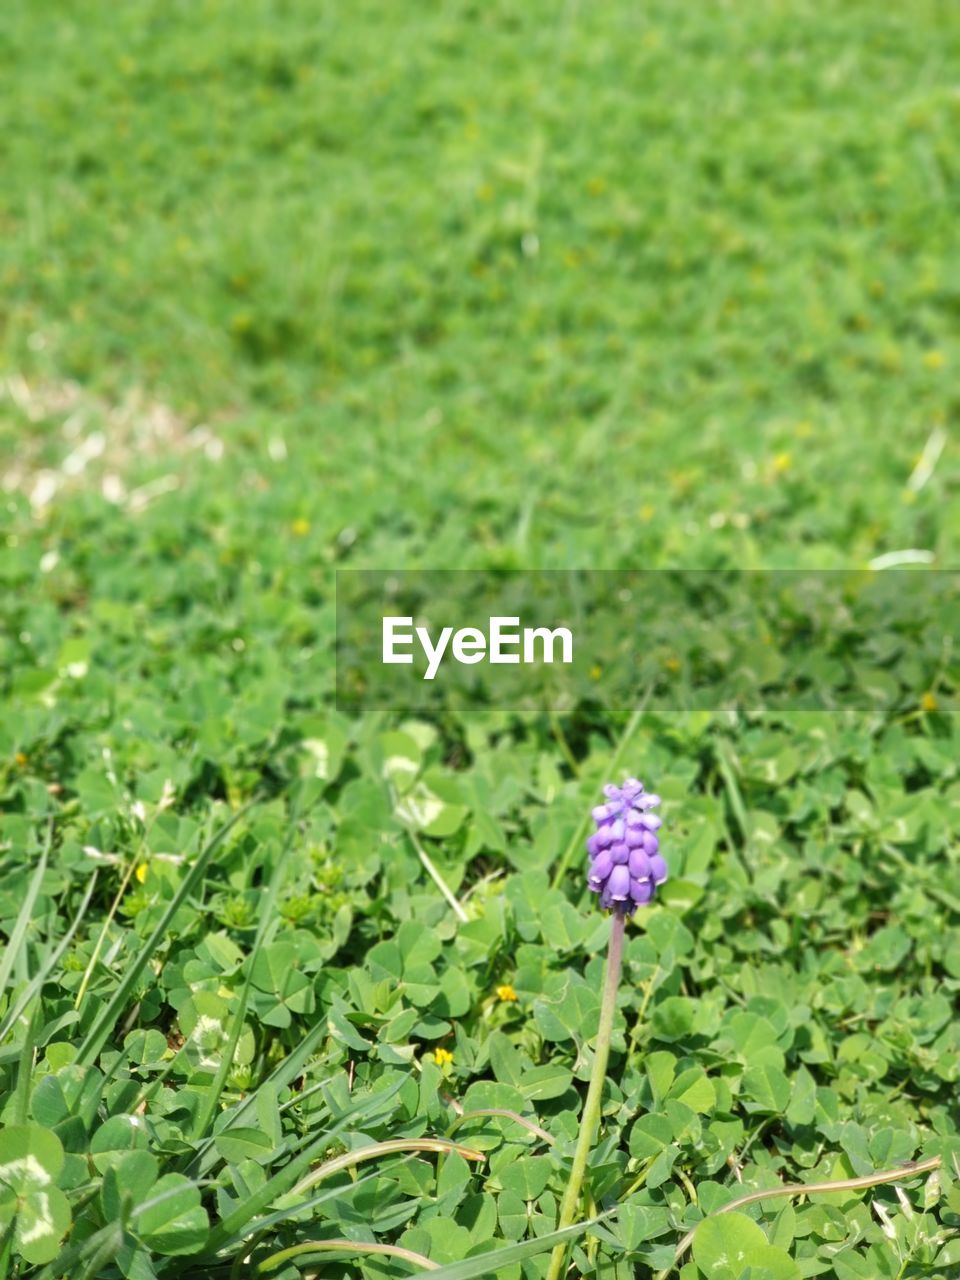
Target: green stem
{"type": "Point", "coordinates": [591, 1108]}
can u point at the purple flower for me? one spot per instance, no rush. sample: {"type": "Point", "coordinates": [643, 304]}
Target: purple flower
{"type": "Point", "coordinates": [625, 861]}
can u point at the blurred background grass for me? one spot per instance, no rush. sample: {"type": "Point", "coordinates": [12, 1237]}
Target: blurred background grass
{"type": "Point", "coordinates": [482, 283]}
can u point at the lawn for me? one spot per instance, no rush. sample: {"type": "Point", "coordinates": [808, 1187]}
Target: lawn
{"type": "Point", "coordinates": [289, 288]}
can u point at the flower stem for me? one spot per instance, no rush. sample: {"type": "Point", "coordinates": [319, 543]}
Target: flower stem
{"type": "Point", "coordinates": [591, 1108]}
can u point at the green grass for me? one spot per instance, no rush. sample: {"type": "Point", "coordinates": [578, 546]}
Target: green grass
{"type": "Point", "coordinates": [289, 286]}
{"type": "Point", "coordinates": [308, 222]}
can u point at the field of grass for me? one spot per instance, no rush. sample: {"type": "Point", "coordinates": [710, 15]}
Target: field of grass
{"type": "Point", "coordinates": [287, 287]}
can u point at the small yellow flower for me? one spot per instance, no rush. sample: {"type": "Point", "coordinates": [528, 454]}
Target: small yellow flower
{"type": "Point", "coordinates": [672, 663]}
{"type": "Point", "coordinates": [934, 360]}
{"type": "Point", "coordinates": [596, 671]}
{"type": "Point", "coordinates": [442, 1057]}
{"type": "Point", "coordinates": [929, 702]}
{"type": "Point", "coordinates": [141, 872]}
{"type": "Point", "coordinates": [300, 527]}
{"type": "Point", "coordinates": [506, 992]}
{"type": "Point", "coordinates": [19, 759]}
{"type": "Point", "coordinates": [781, 463]}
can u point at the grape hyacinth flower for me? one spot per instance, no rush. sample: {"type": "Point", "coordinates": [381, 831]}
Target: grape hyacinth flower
{"type": "Point", "coordinates": [625, 868]}
{"type": "Point", "coordinates": [625, 860]}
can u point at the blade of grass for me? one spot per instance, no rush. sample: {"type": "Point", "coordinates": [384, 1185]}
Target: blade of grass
{"type": "Point", "coordinates": [21, 1105]}
{"type": "Point", "coordinates": [425, 859]}
{"type": "Point", "coordinates": [12, 950]}
{"type": "Point", "coordinates": [94, 1251]}
{"type": "Point", "coordinates": [6, 1247]}
{"type": "Point", "coordinates": [98, 1034]}
{"type": "Point", "coordinates": [320, 1247]}
{"type": "Point", "coordinates": [728, 774]}
{"type": "Point", "coordinates": [308, 1205]}
{"type": "Point", "coordinates": [281, 1182]}
{"type": "Point", "coordinates": [40, 977]}
{"type": "Point", "coordinates": [206, 1154]}
{"type": "Point", "coordinates": [105, 927]}
{"type": "Point", "coordinates": [267, 922]}
{"type": "Point", "coordinates": [488, 1264]}
{"type": "Point", "coordinates": [390, 1147]}
{"type": "Point", "coordinates": [506, 1115]}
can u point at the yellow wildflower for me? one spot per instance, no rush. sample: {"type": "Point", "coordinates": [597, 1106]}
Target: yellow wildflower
{"type": "Point", "coordinates": [300, 527]}
{"type": "Point", "coordinates": [506, 992]}
{"type": "Point", "coordinates": [929, 702]}
{"type": "Point", "coordinates": [934, 360]}
{"type": "Point", "coordinates": [442, 1057]}
{"type": "Point", "coordinates": [141, 872]}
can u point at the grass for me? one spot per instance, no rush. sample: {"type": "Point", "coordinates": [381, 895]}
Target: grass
{"type": "Point", "coordinates": [310, 226]}
{"type": "Point", "coordinates": [288, 287]}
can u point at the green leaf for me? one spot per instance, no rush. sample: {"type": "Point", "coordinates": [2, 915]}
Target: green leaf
{"type": "Point", "coordinates": [527, 1176]}
{"type": "Point", "coordinates": [570, 1015]}
{"type": "Point", "coordinates": [512, 1214]}
{"type": "Point", "coordinates": [43, 1218]}
{"type": "Point", "coordinates": [803, 1100]}
{"type": "Point", "coordinates": [540, 1084]}
{"type": "Point", "coordinates": [672, 1019]}
{"type": "Point", "coordinates": [650, 1135]}
{"type": "Point", "coordinates": [236, 1145]}
{"type": "Point", "coordinates": [694, 1089]}
{"type": "Point", "coordinates": [172, 1221]}
{"type": "Point", "coordinates": [660, 1067]}
{"type": "Point", "coordinates": [731, 1246]}
{"type": "Point", "coordinates": [456, 1173]}
{"type": "Point", "coordinates": [31, 1157]}
{"type": "Point", "coordinates": [128, 1180]}
{"type": "Point", "coordinates": [755, 1040]}
{"type": "Point", "coordinates": [768, 1087]}
{"type": "Point", "coordinates": [115, 1136]}
{"type": "Point", "coordinates": [662, 1167]}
